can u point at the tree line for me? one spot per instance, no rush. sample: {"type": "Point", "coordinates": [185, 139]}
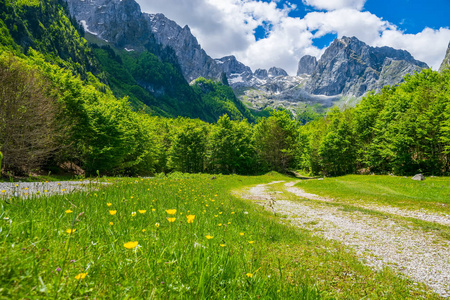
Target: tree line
{"type": "Point", "coordinates": [50, 118]}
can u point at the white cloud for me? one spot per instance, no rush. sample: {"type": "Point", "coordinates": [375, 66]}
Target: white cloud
{"type": "Point", "coordinates": [429, 45]}
{"type": "Point", "coordinates": [347, 22]}
{"type": "Point", "coordinates": [225, 27]}
{"type": "Point", "coordinates": [335, 4]}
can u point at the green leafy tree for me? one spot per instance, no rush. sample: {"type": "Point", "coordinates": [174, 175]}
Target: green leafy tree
{"type": "Point", "coordinates": [188, 150]}
{"type": "Point", "coordinates": [231, 148]}
{"type": "Point", "coordinates": [337, 151]}
{"type": "Point", "coordinates": [276, 142]}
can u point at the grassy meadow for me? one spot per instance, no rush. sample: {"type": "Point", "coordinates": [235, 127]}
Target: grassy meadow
{"type": "Point", "coordinates": [176, 237]}
{"type": "Point", "coordinates": [433, 193]}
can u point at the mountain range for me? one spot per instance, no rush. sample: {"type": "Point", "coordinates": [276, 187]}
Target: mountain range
{"type": "Point", "coordinates": [347, 70]}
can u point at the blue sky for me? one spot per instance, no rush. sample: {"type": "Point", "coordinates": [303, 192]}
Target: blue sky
{"type": "Point", "coordinates": [266, 33]}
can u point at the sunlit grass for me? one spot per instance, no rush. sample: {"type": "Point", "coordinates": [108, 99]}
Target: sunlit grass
{"type": "Point", "coordinates": [174, 238]}
{"type": "Point", "coordinates": [433, 193]}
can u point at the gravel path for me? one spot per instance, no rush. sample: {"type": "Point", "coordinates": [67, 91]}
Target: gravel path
{"type": "Point", "coordinates": [424, 215]}
{"type": "Point", "coordinates": [381, 242]}
{"type": "Point", "coordinates": [28, 189]}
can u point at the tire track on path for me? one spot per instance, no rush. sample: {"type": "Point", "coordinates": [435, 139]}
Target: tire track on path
{"type": "Point", "coordinates": [379, 241]}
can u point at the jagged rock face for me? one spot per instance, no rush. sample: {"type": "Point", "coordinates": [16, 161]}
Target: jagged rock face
{"type": "Point", "coordinates": [307, 65]}
{"type": "Point", "coordinates": [446, 63]}
{"type": "Point", "coordinates": [192, 58]}
{"type": "Point", "coordinates": [261, 73]}
{"type": "Point", "coordinates": [236, 71]}
{"type": "Point", "coordinates": [230, 65]}
{"type": "Point", "coordinates": [350, 67]}
{"type": "Point", "coordinates": [275, 72]}
{"type": "Point", "coordinates": [122, 23]}
{"type": "Point", "coordinates": [118, 22]}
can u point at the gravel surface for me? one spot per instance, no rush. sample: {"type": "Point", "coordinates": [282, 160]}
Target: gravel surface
{"type": "Point", "coordinates": [28, 189]}
{"type": "Point", "coordinates": [380, 242]}
{"type": "Point", "coordinates": [424, 215]}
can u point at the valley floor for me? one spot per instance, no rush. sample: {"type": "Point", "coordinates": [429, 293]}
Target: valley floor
{"type": "Point", "coordinates": [415, 242]}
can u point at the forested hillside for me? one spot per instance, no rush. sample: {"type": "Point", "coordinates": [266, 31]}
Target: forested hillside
{"type": "Point", "coordinates": [66, 105]}
{"type": "Point", "coordinates": [403, 130]}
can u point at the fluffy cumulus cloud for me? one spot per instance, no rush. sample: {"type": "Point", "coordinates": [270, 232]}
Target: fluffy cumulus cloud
{"type": "Point", "coordinates": [335, 4]}
{"type": "Point", "coordinates": [225, 27]}
{"type": "Point", "coordinates": [428, 46]}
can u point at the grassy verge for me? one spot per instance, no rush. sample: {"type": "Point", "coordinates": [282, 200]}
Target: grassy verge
{"type": "Point", "coordinates": [432, 194]}
{"type": "Point", "coordinates": [135, 239]}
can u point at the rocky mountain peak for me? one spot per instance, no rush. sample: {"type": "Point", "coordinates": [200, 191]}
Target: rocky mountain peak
{"type": "Point", "coordinates": [275, 72]}
{"type": "Point", "coordinates": [261, 73]}
{"type": "Point", "coordinates": [122, 23]}
{"type": "Point", "coordinates": [307, 65]}
{"type": "Point", "coordinates": [446, 62]}
{"type": "Point", "coordinates": [118, 22]}
{"type": "Point", "coordinates": [193, 60]}
{"type": "Point", "coordinates": [351, 67]}
{"type": "Point", "coordinates": [230, 65]}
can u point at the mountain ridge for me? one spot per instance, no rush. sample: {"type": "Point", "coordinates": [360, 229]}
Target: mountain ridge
{"type": "Point", "coordinates": [348, 67]}
{"type": "Point", "coordinates": [446, 62]}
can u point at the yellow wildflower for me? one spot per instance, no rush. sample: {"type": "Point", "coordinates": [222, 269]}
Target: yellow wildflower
{"type": "Point", "coordinates": [222, 245]}
{"type": "Point", "coordinates": [69, 211]}
{"type": "Point", "coordinates": [209, 237]}
{"type": "Point", "coordinates": [81, 276]}
{"type": "Point", "coordinates": [133, 214]}
{"type": "Point", "coordinates": [109, 204]}
{"type": "Point", "coordinates": [143, 230]}
{"type": "Point", "coordinates": [171, 220]}
{"type": "Point", "coordinates": [131, 245]}
{"type": "Point", "coordinates": [250, 275]}
{"type": "Point", "coordinates": [171, 211]}
{"type": "Point", "coordinates": [113, 212]}
{"type": "Point", "coordinates": [142, 211]}
{"type": "Point", "coordinates": [241, 233]}
{"type": "Point", "coordinates": [111, 223]}
{"type": "Point", "coordinates": [190, 218]}
{"type": "Point", "coordinates": [69, 231]}
{"type": "Point", "coordinates": [251, 242]}
{"type": "Point", "coordinates": [153, 209]}
{"type": "Point", "coordinates": [157, 225]}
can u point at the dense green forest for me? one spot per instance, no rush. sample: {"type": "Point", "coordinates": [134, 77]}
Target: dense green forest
{"type": "Point", "coordinates": [67, 105]}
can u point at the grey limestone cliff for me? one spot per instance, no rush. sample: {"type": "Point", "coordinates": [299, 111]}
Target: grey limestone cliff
{"type": "Point", "coordinates": [307, 65]}
{"type": "Point", "coordinates": [192, 58]}
{"type": "Point", "coordinates": [122, 23]}
{"type": "Point", "coordinates": [118, 22]}
{"type": "Point", "coordinates": [350, 67]}
{"type": "Point", "coordinates": [261, 73]}
{"type": "Point", "coordinates": [275, 72]}
{"type": "Point", "coordinates": [446, 62]}
{"type": "Point", "coordinates": [236, 71]}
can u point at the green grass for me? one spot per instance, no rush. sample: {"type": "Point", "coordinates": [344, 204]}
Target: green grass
{"type": "Point", "coordinates": [433, 193]}
{"type": "Point", "coordinates": [251, 255]}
